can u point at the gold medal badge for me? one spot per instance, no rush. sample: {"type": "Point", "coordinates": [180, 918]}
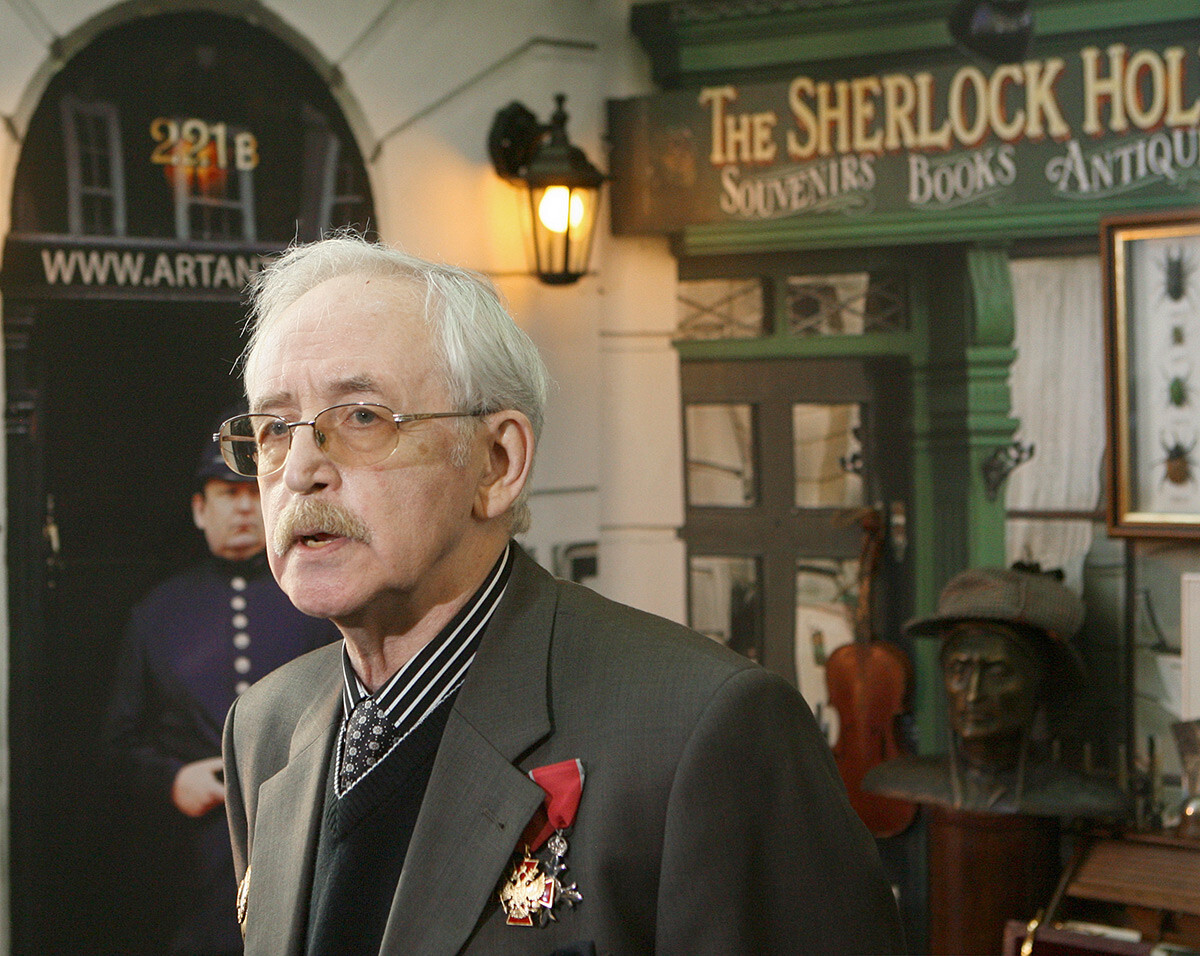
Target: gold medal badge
{"type": "Point", "coordinates": [525, 892]}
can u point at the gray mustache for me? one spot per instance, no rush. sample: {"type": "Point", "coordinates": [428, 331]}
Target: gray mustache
{"type": "Point", "coordinates": [313, 515]}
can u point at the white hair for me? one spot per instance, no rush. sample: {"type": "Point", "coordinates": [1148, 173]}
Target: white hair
{"type": "Point", "coordinates": [488, 361]}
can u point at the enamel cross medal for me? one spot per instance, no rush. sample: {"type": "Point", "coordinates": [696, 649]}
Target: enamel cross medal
{"type": "Point", "coordinates": [533, 887]}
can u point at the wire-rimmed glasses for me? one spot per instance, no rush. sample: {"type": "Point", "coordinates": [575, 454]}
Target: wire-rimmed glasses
{"type": "Point", "coordinates": [358, 433]}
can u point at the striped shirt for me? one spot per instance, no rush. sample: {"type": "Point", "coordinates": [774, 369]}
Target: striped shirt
{"type": "Point", "coordinates": [438, 669]}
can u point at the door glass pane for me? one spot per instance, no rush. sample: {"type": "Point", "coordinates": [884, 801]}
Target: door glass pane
{"type": "Point", "coordinates": [720, 450]}
{"type": "Point", "coordinates": [849, 304]}
{"type": "Point", "coordinates": [823, 305]}
{"type": "Point", "coordinates": [826, 598]}
{"type": "Point", "coordinates": [725, 601]}
{"type": "Point", "coordinates": [828, 455]}
{"type": "Point", "coordinates": [720, 309]}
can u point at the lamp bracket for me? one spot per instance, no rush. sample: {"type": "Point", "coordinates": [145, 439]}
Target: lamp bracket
{"type": "Point", "coordinates": [513, 139]}
{"type": "Point", "coordinates": [997, 466]}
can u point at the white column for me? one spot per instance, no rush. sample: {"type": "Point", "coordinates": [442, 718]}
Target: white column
{"type": "Point", "coordinates": [641, 559]}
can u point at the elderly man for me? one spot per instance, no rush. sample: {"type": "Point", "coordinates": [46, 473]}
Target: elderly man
{"type": "Point", "coordinates": [492, 762]}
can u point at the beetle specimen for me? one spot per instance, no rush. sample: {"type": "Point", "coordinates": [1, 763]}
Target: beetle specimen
{"type": "Point", "coordinates": [1177, 269]}
{"type": "Point", "coordinates": [1178, 467]}
{"type": "Point", "coordinates": [1179, 386]}
{"type": "Point", "coordinates": [1178, 391]}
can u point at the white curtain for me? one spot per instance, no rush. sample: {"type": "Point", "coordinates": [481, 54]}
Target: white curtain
{"type": "Point", "coordinates": [1057, 387]}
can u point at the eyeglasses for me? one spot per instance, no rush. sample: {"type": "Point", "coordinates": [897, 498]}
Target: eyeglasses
{"type": "Point", "coordinates": [354, 434]}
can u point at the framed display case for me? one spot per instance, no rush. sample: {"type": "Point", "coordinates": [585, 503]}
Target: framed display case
{"type": "Point", "coordinates": [1152, 296]}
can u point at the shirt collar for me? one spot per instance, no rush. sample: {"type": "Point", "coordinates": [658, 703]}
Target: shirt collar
{"type": "Point", "coordinates": [438, 668]}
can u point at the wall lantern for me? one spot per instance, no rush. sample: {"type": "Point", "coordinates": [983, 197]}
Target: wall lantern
{"type": "Point", "coordinates": [997, 30]}
{"type": "Point", "coordinates": [561, 186]}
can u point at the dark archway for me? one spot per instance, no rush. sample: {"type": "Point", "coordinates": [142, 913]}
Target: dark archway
{"type": "Point", "coordinates": [164, 161]}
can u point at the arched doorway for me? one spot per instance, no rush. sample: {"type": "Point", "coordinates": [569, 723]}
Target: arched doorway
{"type": "Point", "coordinates": [165, 159]}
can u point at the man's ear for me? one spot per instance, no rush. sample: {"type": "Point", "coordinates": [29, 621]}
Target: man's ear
{"type": "Point", "coordinates": [198, 504]}
{"type": "Point", "coordinates": [510, 444]}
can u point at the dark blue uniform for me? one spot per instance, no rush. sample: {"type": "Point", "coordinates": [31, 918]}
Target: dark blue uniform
{"type": "Point", "coordinates": [192, 645]}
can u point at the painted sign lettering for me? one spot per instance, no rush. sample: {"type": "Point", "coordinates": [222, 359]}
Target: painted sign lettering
{"type": "Point", "coordinates": [1103, 121]}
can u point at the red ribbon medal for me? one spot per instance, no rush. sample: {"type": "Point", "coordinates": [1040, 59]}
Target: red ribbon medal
{"type": "Point", "coordinates": [563, 783]}
{"type": "Point", "coordinates": [534, 887]}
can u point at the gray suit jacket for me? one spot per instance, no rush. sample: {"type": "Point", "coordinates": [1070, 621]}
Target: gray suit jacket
{"type": "Point", "coordinates": [713, 820]}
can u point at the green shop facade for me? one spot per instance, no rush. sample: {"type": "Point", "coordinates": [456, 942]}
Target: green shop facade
{"type": "Point", "coordinates": [845, 190]}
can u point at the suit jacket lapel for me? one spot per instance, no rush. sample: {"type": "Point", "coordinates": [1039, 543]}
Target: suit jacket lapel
{"type": "Point", "coordinates": [477, 802]}
{"type": "Point", "coordinates": [285, 833]}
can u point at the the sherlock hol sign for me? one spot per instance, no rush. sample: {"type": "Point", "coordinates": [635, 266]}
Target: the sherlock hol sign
{"type": "Point", "coordinates": [1100, 122]}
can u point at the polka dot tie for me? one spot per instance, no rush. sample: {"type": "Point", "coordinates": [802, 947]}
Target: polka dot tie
{"type": "Point", "coordinates": [367, 736]}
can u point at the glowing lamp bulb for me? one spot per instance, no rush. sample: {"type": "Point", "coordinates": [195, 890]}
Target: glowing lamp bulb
{"type": "Point", "coordinates": [552, 210]}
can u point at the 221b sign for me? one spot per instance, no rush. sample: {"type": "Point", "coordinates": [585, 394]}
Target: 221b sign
{"type": "Point", "coordinates": [197, 144]}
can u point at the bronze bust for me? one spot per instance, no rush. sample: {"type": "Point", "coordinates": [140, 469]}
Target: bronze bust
{"type": "Point", "coordinates": [1006, 666]}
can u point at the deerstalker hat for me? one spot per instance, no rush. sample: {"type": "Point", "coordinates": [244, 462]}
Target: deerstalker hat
{"type": "Point", "coordinates": [1027, 598]}
{"type": "Point", "coordinates": [999, 594]}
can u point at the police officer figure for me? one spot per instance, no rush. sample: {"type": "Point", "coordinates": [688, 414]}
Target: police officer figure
{"type": "Point", "coordinates": [191, 646]}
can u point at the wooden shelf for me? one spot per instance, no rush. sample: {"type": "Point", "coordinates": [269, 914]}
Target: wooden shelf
{"type": "Point", "coordinates": [1149, 871]}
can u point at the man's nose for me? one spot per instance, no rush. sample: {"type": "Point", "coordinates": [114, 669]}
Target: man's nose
{"type": "Point", "coordinates": [306, 465]}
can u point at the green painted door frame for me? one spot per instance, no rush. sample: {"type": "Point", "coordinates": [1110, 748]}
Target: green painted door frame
{"type": "Point", "coordinates": [957, 351]}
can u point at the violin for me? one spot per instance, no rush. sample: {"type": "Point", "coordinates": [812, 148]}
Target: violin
{"type": "Point", "coordinates": [868, 683]}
